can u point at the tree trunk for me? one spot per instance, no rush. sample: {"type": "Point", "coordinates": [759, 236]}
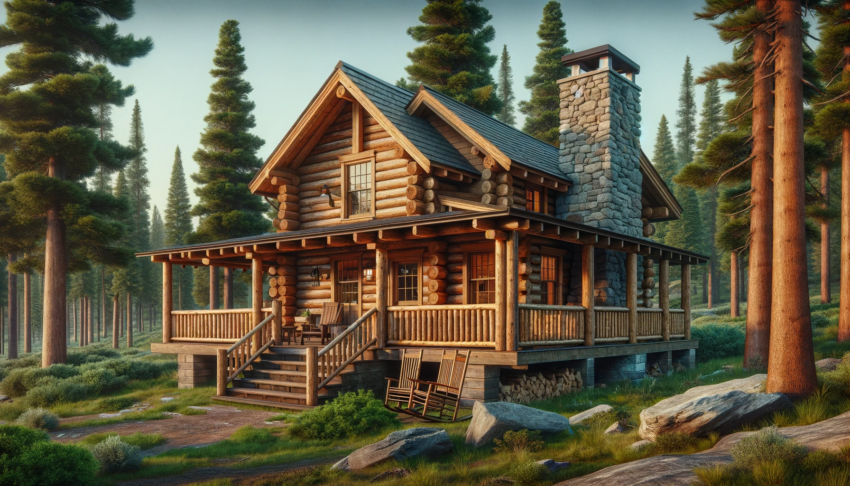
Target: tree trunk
{"type": "Point", "coordinates": [2, 327]}
{"type": "Point", "coordinates": [228, 288]}
{"type": "Point", "coordinates": [89, 320]}
{"type": "Point", "coordinates": [116, 316]}
{"type": "Point", "coordinates": [213, 288]}
{"type": "Point", "coordinates": [129, 321]}
{"type": "Point", "coordinates": [713, 281]}
{"type": "Point", "coordinates": [844, 296]}
{"type": "Point", "coordinates": [734, 278]}
{"type": "Point", "coordinates": [141, 323]}
{"type": "Point", "coordinates": [103, 299]}
{"type": "Point", "coordinates": [53, 349]}
{"type": "Point", "coordinates": [791, 364]}
{"type": "Point", "coordinates": [825, 291]}
{"type": "Point", "coordinates": [27, 313]}
{"type": "Point", "coordinates": [704, 286]}
{"type": "Point", "coordinates": [757, 343]}
{"type": "Point", "coordinates": [13, 309]}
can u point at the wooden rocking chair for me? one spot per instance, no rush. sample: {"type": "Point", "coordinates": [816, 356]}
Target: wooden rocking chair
{"type": "Point", "coordinates": [331, 314]}
{"type": "Point", "coordinates": [443, 396]}
{"type": "Point", "coordinates": [410, 363]}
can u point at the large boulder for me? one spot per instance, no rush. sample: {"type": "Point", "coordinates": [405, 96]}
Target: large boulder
{"type": "Point", "coordinates": [403, 444]}
{"type": "Point", "coordinates": [712, 408]}
{"type": "Point", "coordinates": [589, 413]}
{"type": "Point", "coordinates": [827, 364]}
{"type": "Point", "coordinates": [491, 420]}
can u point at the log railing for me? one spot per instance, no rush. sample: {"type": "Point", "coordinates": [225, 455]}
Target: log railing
{"type": "Point", "coordinates": [649, 324]}
{"type": "Point", "coordinates": [612, 325]}
{"type": "Point", "coordinates": [470, 325]}
{"type": "Point", "coordinates": [236, 359]}
{"type": "Point", "coordinates": [541, 325]}
{"type": "Point", "coordinates": [677, 324]}
{"type": "Point", "coordinates": [348, 346]}
{"type": "Point", "coordinates": [214, 326]}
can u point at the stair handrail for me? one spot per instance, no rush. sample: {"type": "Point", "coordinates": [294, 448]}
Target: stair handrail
{"type": "Point", "coordinates": [367, 343]}
{"type": "Point", "coordinates": [224, 358]}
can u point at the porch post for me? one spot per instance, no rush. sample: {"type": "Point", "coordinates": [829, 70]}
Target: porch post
{"type": "Point", "coordinates": [277, 329]}
{"type": "Point", "coordinates": [512, 310]}
{"type": "Point", "coordinates": [213, 288]}
{"type": "Point", "coordinates": [664, 297]}
{"type": "Point", "coordinates": [501, 281]}
{"type": "Point", "coordinates": [167, 301]}
{"type": "Point", "coordinates": [588, 280]}
{"type": "Point", "coordinates": [228, 288]}
{"type": "Point", "coordinates": [631, 295]}
{"type": "Point", "coordinates": [257, 298]}
{"type": "Point", "coordinates": [381, 266]}
{"type": "Point", "coordinates": [686, 298]}
{"type": "Point", "coordinates": [312, 362]}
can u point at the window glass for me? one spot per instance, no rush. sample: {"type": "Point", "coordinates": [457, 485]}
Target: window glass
{"type": "Point", "coordinates": [548, 279]}
{"type": "Point", "coordinates": [482, 278]}
{"type": "Point", "coordinates": [360, 188]}
{"type": "Point", "coordinates": [407, 282]}
{"type": "Point", "coordinates": [532, 200]}
{"type": "Point", "coordinates": [348, 289]}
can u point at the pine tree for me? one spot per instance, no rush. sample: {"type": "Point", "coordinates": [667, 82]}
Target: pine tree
{"type": "Point", "coordinates": [542, 111]}
{"type": "Point", "coordinates": [125, 279]}
{"type": "Point", "coordinates": [454, 58]}
{"type": "Point", "coordinates": [710, 127]}
{"type": "Point", "coordinates": [178, 228]}
{"type": "Point", "coordinates": [686, 232]}
{"type": "Point", "coordinates": [506, 88]}
{"type": "Point", "coordinates": [665, 162]}
{"type": "Point", "coordinates": [686, 123]}
{"type": "Point", "coordinates": [46, 116]}
{"type": "Point", "coordinates": [157, 241]}
{"type": "Point", "coordinates": [138, 182]}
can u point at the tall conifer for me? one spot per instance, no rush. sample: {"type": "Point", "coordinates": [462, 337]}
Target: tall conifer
{"type": "Point", "coordinates": [686, 123]}
{"type": "Point", "coordinates": [454, 58]}
{"type": "Point", "coordinates": [46, 101]}
{"type": "Point", "coordinates": [178, 228]}
{"type": "Point", "coordinates": [140, 203]}
{"type": "Point", "coordinates": [506, 88]}
{"type": "Point", "coordinates": [665, 162]}
{"type": "Point", "coordinates": [542, 111]}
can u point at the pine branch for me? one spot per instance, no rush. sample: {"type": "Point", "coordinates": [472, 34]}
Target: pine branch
{"type": "Point", "coordinates": [736, 166]}
{"type": "Point", "coordinates": [742, 194]}
{"type": "Point", "coordinates": [277, 208]}
{"type": "Point", "coordinates": [844, 95]}
{"type": "Point", "coordinates": [731, 215]}
{"type": "Point", "coordinates": [812, 86]}
{"type": "Point", "coordinates": [742, 114]}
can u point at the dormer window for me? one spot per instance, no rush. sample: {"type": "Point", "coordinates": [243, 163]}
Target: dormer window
{"type": "Point", "coordinates": [534, 199]}
{"type": "Point", "coordinates": [358, 171]}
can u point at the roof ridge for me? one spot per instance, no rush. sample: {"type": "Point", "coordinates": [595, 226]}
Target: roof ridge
{"type": "Point", "coordinates": [381, 81]}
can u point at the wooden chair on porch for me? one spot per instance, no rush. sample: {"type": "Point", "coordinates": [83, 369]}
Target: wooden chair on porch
{"type": "Point", "coordinates": [400, 393]}
{"type": "Point", "coordinates": [331, 315]}
{"type": "Point", "coordinates": [441, 397]}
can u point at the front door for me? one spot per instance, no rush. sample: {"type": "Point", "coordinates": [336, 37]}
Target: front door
{"type": "Point", "coordinates": [347, 290]}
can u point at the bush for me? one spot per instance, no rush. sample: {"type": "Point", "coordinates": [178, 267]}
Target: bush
{"type": "Point", "coordinates": [38, 418]}
{"type": "Point", "coordinates": [674, 442]}
{"type": "Point", "coordinates": [28, 458]}
{"type": "Point", "coordinates": [252, 435]}
{"type": "Point", "coordinates": [718, 341]}
{"type": "Point", "coordinates": [114, 404]}
{"type": "Point", "coordinates": [21, 380]}
{"type": "Point", "coordinates": [348, 415]}
{"type": "Point", "coordinates": [820, 320]}
{"type": "Point", "coordinates": [91, 354]}
{"type": "Point", "coordinates": [139, 439]}
{"type": "Point", "coordinates": [102, 379]}
{"type": "Point", "coordinates": [764, 446]}
{"type": "Point", "coordinates": [115, 455]}
{"type": "Point", "coordinates": [528, 473]}
{"type": "Point", "coordinates": [58, 391]}
{"type": "Point", "coordinates": [820, 461]}
{"type": "Point", "coordinates": [14, 439]}
{"type": "Point", "coordinates": [523, 440]}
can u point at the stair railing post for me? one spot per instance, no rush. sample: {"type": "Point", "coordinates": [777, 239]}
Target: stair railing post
{"type": "Point", "coordinates": [277, 329]}
{"type": "Point", "coordinates": [312, 375]}
{"type": "Point", "coordinates": [221, 372]}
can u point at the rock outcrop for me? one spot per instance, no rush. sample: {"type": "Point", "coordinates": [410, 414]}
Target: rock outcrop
{"type": "Point", "coordinates": [491, 420]}
{"type": "Point", "coordinates": [403, 444]}
{"type": "Point", "coordinates": [712, 408]}
{"type": "Point", "coordinates": [589, 413]}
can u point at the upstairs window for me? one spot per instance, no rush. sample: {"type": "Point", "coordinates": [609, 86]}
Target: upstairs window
{"type": "Point", "coordinates": [534, 199]}
{"type": "Point", "coordinates": [549, 280]}
{"type": "Point", "coordinates": [482, 278]}
{"type": "Point", "coordinates": [359, 188]}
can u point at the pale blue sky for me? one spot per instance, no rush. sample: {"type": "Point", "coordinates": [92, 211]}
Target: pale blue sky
{"type": "Point", "coordinates": [292, 46]}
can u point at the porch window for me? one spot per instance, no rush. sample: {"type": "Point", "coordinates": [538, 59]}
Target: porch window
{"type": "Point", "coordinates": [348, 289]}
{"type": "Point", "coordinates": [359, 189]}
{"type": "Point", "coordinates": [533, 199]}
{"type": "Point", "coordinates": [407, 283]}
{"type": "Point", "coordinates": [482, 278]}
{"type": "Point", "coordinates": [549, 280]}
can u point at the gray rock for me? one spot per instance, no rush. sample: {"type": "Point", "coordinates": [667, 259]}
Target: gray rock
{"type": "Point", "coordinates": [712, 408]}
{"type": "Point", "coordinates": [403, 444]}
{"type": "Point", "coordinates": [826, 364]}
{"type": "Point", "coordinates": [4, 398]}
{"type": "Point", "coordinates": [581, 417]}
{"type": "Point", "coordinates": [615, 428]}
{"type": "Point", "coordinates": [553, 465]}
{"type": "Point", "coordinates": [640, 444]}
{"type": "Point", "coordinates": [491, 420]}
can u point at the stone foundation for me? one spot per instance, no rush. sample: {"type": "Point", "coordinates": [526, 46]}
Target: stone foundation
{"type": "Point", "coordinates": [619, 368]}
{"type": "Point", "coordinates": [195, 370]}
{"type": "Point", "coordinates": [685, 357]}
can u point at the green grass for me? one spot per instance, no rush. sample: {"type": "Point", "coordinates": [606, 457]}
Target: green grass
{"type": "Point", "coordinates": [140, 440]}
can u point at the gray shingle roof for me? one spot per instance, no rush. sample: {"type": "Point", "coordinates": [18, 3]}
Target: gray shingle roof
{"type": "Point", "coordinates": [393, 101]}
{"type": "Point", "coordinates": [515, 144]}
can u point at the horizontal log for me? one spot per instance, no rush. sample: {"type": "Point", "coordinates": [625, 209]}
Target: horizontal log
{"type": "Point", "coordinates": [286, 189]}
{"type": "Point", "coordinates": [389, 154]}
{"type": "Point", "coordinates": [505, 178]}
{"type": "Point", "coordinates": [329, 214]}
{"type": "Point", "coordinates": [313, 261]}
{"type": "Point", "coordinates": [289, 206]}
{"type": "Point", "coordinates": [392, 212]}
{"type": "Point", "coordinates": [286, 260]}
{"type": "Point", "coordinates": [391, 184]}
{"type": "Point", "coordinates": [455, 289]}
{"type": "Point", "coordinates": [313, 294]}
{"type": "Point", "coordinates": [460, 195]}
{"type": "Point", "coordinates": [394, 202]}
{"type": "Point", "coordinates": [504, 190]}
{"type": "Point", "coordinates": [415, 192]}
{"type": "Point", "coordinates": [288, 198]}
{"type": "Point", "coordinates": [433, 207]}
{"type": "Point", "coordinates": [437, 286]}
{"type": "Point", "coordinates": [393, 164]}
{"type": "Point", "coordinates": [392, 174]}
{"type": "Point", "coordinates": [455, 258]}
{"type": "Point", "coordinates": [437, 298]}
{"type": "Point", "coordinates": [437, 259]}
{"type": "Point", "coordinates": [415, 207]}
{"type": "Point", "coordinates": [455, 267]}
{"type": "Point", "coordinates": [413, 168]}
{"type": "Point", "coordinates": [437, 246]}
{"type": "Point", "coordinates": [288, 300]}
{"type": "Point", "coordinates": [326, 175]}
{"type": "Point", "coordinates": [290, 215]}
{"type": "Point", "coordinates": [392, 193]}
{"type": "Point", "coordinates": [437, 273]}
{"type": "Point", "coordinates": [454, 299]}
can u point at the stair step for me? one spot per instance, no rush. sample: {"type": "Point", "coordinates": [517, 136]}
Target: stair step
{"type": "Point", "coordinates": [267, 393]}
{"type": "Point", "coordinates": [265, 381]}
{"type": "Point", "coordinates": [263, 403]}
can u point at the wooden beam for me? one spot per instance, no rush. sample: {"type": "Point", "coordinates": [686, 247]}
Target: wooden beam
{"type": "Point", "coordinates": [512, 292]}
{"type": "Point", "coordinates": [356, 128]}
{"type": "Point", "coordinates": [515, 224]}
{"type": "Point", "coordinates": [686, 298]}
{"type": "Point", "coordinates": [466, 204]}
{"type": "Point", "coordinates": [391, 235]}
{"type": "Point", "coordinates": [313, 243]}
{"type": "Point", "coordinates": [340, 240]}
{"type": "Point", "coordinates": [664, 297]}
{"type": "Point", "coordinates": [341, 92]}
{"type": "Point", "coordinates": [167, 300]}
{"type": "Point", "coordinates": [496, 235]}
{"type": "Point", "coordinates": [381, 270]}
{"type": "Point", "coordinates": [361, 238]}
{"type": "Point", "coordinates": [160, 258]}
{"type": "Point", "coordinates": [483, 224]}
{"type": "Point", "coordinates": [419, 231]}
{"type": "Point", "coordinates": [289, 245]}
{"type": "Point", "coordinates": [501, 294]}
{"type": "Point", "coordinates": [265, 248]}
{"type": "Point", "coordinates": [588, 284]}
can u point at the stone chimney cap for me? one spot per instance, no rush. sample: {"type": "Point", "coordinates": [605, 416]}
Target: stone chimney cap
{"type": "Point", "coordinates": [590, 59]}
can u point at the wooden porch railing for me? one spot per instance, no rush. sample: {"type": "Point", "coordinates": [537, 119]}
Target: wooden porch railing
{"type": "Point", "coordinates": [235, 359]}
{"type": "Point", "coordinates": [649, 324]}
{"type": "Point", "coordinates": [541, 325]}
{"type": "Point", "coordinates": [470, 325]}
{"type": "Point", "coordinates": [612, 325]}
{"type": "Point", "coordinates": [677, 323]}
{"type": "Point", "coordinates": [214, 326]}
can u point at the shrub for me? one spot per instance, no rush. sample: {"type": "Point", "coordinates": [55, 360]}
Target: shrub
{"type": "Point", "coordinates": [14, 439]}
{"type": "Point", "coordinates": [820, 320]}
{"type": "Point", "coordinates": [101, 379]}
{"type": "Point", "coordinates": [91, 354]}
{"type": "Point", "coordinates": [114, 404]}
{"type": "Point", "coordinates": [21, 380]}
{"type": "Point", "coordinates": [764, 446]}
{"type": "Point", "coordinates": [820, 461]}
{"type": "Point", "coordinates": [523, 440]}
{"type": "Point", "coordinates": [252, 435]}
{"type": "Point", "coordinates": [58, 391]}
{"type": "Point", "coordinates": [674, 442]}
{"type": "Point", "coordinates": [718, 341]}
{"type": "Point", "coordinates": [49, 464]}
{"type": "Point", "coordinates": [38, 418]}
{"type": "Point", "coordinates": [528, 473]}
{"type": "Point", "coordinates": [139, 439]}
{"type": "Point", "coordinates": [115, 455]}
{"type": "Point", "coordinates": [770, 473]}
{"type": "Point", "coordinates": [348, 415]}
{"type": "Point", "coordinates": [838, 476]}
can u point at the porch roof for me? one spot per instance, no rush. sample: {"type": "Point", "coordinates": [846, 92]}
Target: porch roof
{"type": "Point", "coordinates": [492, 223]}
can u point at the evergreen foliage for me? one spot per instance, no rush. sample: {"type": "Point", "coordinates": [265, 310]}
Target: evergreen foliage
{"type": "Point", "coordinates": [228, 157]}
{"type": "Point", "coordinates": [664, 153]}
{"type": "Point", "coordinates": [542, 111]}
{"type": "Point", "coordinates": [140, 201]}
{"type": "Point", "coordinates": [686, 122]}
{"type": "Point", "coordinates": [454, 58]}
{"type": "Point", "coordinates": [687, 232]}
{"type": "Point", "coordinates": [157, 240]}
{"type": "Point", "coordinates": [125, 279]}
{"type": "Point", "coordinates": [506, 88]}
{"type": "Point", "coordinates": [178, 228]}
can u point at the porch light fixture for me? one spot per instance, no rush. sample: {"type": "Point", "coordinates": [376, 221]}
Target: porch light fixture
{"type": "Point", "coordinates": [317, 276]}
{"type": "Point", "coordinates": [369, 271]}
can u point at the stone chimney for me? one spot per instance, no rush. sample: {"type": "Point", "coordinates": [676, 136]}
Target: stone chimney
{"type": "Point", "coordinates": [600, 148]}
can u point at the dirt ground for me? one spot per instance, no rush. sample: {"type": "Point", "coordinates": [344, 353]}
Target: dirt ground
{"type": "Point", "coordinates": [217, 424]}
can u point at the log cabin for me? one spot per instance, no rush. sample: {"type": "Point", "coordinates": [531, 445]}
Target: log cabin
{"type": "Point", "coordinates": [437, 226]}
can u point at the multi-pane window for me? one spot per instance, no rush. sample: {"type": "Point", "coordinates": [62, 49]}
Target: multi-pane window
{"type": "Point", "coordinates": [348, 289]}
{"type": "Point", "coordinates": [359, 188]}
{"type": "Point", "coordinates": [407, 283]}
{"type": "Point", "coordinates": [533, 201]}
{"type": "Point", "coordinates": [548, 280]}
{"type": "Point", "coordinates": [482, 278]}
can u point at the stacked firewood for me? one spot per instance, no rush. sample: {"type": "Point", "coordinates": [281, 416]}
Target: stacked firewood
{"type": "Point", "coordinates": [524, 388]}
{"type": "Point", "coordinates": [288, 217]}
{"type": "Point", "coordinates": [283, 285]}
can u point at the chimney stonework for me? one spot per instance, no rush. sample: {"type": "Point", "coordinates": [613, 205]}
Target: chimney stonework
{"type": "Point", "coordinates": [599, 143]}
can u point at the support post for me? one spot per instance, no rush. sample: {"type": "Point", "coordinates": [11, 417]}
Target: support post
{"type": "Point", "coordinates": [686, 298]}
{"type": "Point", "coordinates": [167, 300]}
{"type": "Point", "coordinates": [588, 280]}
{"type": "Point", "coordinates": [664, 297]}
{"type": "Point", "coordinates": [381, 266]}
{"type": "Point", "coordinates": [257, 299]}
{"type": "Point", "coordinates": [213, 288]}
{"type": "Point", "coordinates": [501, 274]}
{"type": "Point", "coordinates": [312, 375]}
{"type": "Point", "coordinates": [277, 322]}
{"type": "Point", "coordinates": [221, 372]}
{"type": "Point", "coordinates": [512, 314]}
{"type": "Point", "coordinates": [631, 295]}
{"type": "Point", "coordinates": [228, 288]}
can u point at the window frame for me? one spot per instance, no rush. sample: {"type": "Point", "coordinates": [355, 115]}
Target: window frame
{"type": "Point", "coordinates": [543, 195]}
{"type": "Point", "coordinates": [395, 288]}
{"type": "Point", "coordinates": [346, 162]}
{"type": "Point", "coordinates": [558, 270]}
{"type": "Point", "coordinates": [335, 281]}
{"type": "Point", "coordinates": [471, 297]}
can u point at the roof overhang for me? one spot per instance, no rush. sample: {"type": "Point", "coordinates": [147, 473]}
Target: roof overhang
{"type": "Point", "coordinates": [659, 202]}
